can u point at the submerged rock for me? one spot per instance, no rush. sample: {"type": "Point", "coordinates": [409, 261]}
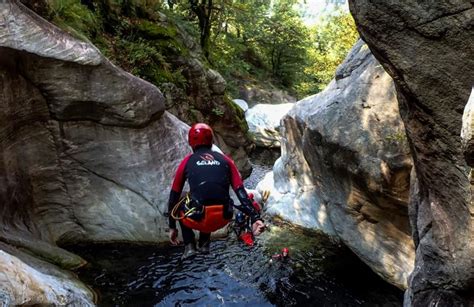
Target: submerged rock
{"type": "Point", "coordinates": [345, 167]}
{"type": "Point", "coordinates": [264, 123]}
{"type": "Point", "coordinates": [427, 47]}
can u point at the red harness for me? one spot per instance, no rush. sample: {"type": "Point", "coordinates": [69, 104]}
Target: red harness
{"type": "Point", "coordinates": [212, 220]}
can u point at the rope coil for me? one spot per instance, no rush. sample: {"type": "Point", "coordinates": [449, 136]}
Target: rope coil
{"type": "Point", "coordinates": [178, 204]}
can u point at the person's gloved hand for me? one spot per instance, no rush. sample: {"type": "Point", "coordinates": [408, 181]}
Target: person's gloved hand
{"type": "Point", "coordinates": [258, 227]}
{"type": "Point", "coordinates": [174, 236]}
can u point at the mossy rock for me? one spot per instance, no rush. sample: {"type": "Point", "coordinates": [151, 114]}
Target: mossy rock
{"type": "Point", "coordinates": [154, 30]}
{"type": "Point", "coordinates": [239, 115]}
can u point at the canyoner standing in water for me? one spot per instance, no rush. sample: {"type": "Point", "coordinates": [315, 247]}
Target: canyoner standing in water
{"type": "Point", "coordinates": [208, 206]}
{"type": "Point", "coordinates": [242, 225]}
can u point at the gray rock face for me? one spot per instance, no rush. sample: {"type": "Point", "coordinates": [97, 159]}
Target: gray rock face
{"type": "Point", "coordinates": [345, 167]}
{"type": "Point", "coordinates": [19, 30]}
{"type": "Point", "coordinates": [428, 47]}
{"type": "Point", "coordinates": [86, 153]}
{"type": "Point", "coordinates": [467, 132]}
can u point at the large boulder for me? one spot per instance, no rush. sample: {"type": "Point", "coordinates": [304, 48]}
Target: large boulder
{"type": "Point", "coordinates": [427, 47]}
{"type": "Point", "coordinates": [87, 149]}
{"type": "Point", "coordinates": [87, 153]}
{"type": "Point", "coordinates": [264, 123]}
{"type": "Point", "coordinates": [345, 167]}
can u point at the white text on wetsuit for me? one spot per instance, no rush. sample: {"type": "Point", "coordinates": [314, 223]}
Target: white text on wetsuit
{"type": "Point", "coordinates": [207, 162]}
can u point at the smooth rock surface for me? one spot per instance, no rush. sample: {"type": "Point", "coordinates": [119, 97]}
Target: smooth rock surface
{"type": "Point", "coordinates": [87, 153]}
{"type": "Point", "coordinates": [427, 47]}
{"type": "Point", "coordinates": [34, 35]}
{"type": "Point", "coordinates": [264, 123]}
{"type": "Point", "coordinates": [345, 167]}
{"type": "Point", "coordinates": [44, 284]}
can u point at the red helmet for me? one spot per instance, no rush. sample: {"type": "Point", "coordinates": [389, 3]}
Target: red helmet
{"type": "Point", "coordinates": [285, 250]}
{"type": "Point", "coordinates": [200, 134]}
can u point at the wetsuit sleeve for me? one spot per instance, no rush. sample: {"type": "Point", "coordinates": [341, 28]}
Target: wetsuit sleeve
{"type": "Point", "coordinates": [176, 189]}
{"type": "Point", "coordinates": [238, 187]}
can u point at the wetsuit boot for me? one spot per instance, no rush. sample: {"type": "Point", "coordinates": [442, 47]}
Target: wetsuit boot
{"type": "Point", "coordinates": [204, 242]}
{"type": "Point", "coordinates": [204, 247]}
{"type": "Point", "coordinates": [189, 250]}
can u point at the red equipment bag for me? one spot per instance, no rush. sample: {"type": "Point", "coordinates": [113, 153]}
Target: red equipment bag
{"type": "Point", "coordinates": [213, 219]}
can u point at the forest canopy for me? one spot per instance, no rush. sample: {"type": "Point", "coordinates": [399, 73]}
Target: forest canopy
{"type": "Point", "coordinates": [248, 41]}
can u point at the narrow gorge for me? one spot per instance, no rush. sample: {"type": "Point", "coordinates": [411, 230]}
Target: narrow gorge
{"type": "Point", "coordinates": [374, 171]}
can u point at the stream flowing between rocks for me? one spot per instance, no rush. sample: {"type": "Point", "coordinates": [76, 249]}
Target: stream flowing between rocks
{"type": "Point", "coordinates": [320, 272]}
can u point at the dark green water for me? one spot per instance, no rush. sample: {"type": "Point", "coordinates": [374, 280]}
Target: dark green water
{"type": "Point", "coordinates": [319, 273]}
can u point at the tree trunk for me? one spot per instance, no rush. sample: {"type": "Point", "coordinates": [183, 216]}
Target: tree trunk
{"type": "Point", "coordinates": [203, 11]}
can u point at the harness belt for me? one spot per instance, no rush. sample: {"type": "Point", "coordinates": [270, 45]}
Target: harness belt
{"type": "Point", "coordinates": [212, 220]}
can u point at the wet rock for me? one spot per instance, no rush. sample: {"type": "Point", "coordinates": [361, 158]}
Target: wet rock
{"type": "Point", "coordinates": [264, 123]}
{"type": "Point", "coordinates": [345, 167]}
{"type": "Point", "coordinates": [28, 281]}
{"type": "Point", "coordinates": [427, 48]}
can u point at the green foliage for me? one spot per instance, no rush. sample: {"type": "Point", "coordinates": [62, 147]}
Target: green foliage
{"type": "Point", "coordinates": [132, 33]}
{"type": "Point", "coordinates": [285, 42]}
{"type": "Point", "coordinates": [217, 111]}
{"type": "Point", "coordinates": [267, 42]}
{"type": "Point", "coordinates": [142, 58]}
{"type": "Point", "coordinates": [152, 30]}
{"type": "Point", "coordinates": [239, 116]}
{"type": "Point", "coordinates": [333, 38]}
{"type": "Point", "coordinates": [250, 41]}
{"type": "Point", "coordinates": [397, 138]}
{"type": "Point", "coordinates": [73, 17]}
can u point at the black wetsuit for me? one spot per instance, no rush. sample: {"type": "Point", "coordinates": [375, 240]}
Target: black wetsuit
{"type": "Point", "coordinates": [210, 175]}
